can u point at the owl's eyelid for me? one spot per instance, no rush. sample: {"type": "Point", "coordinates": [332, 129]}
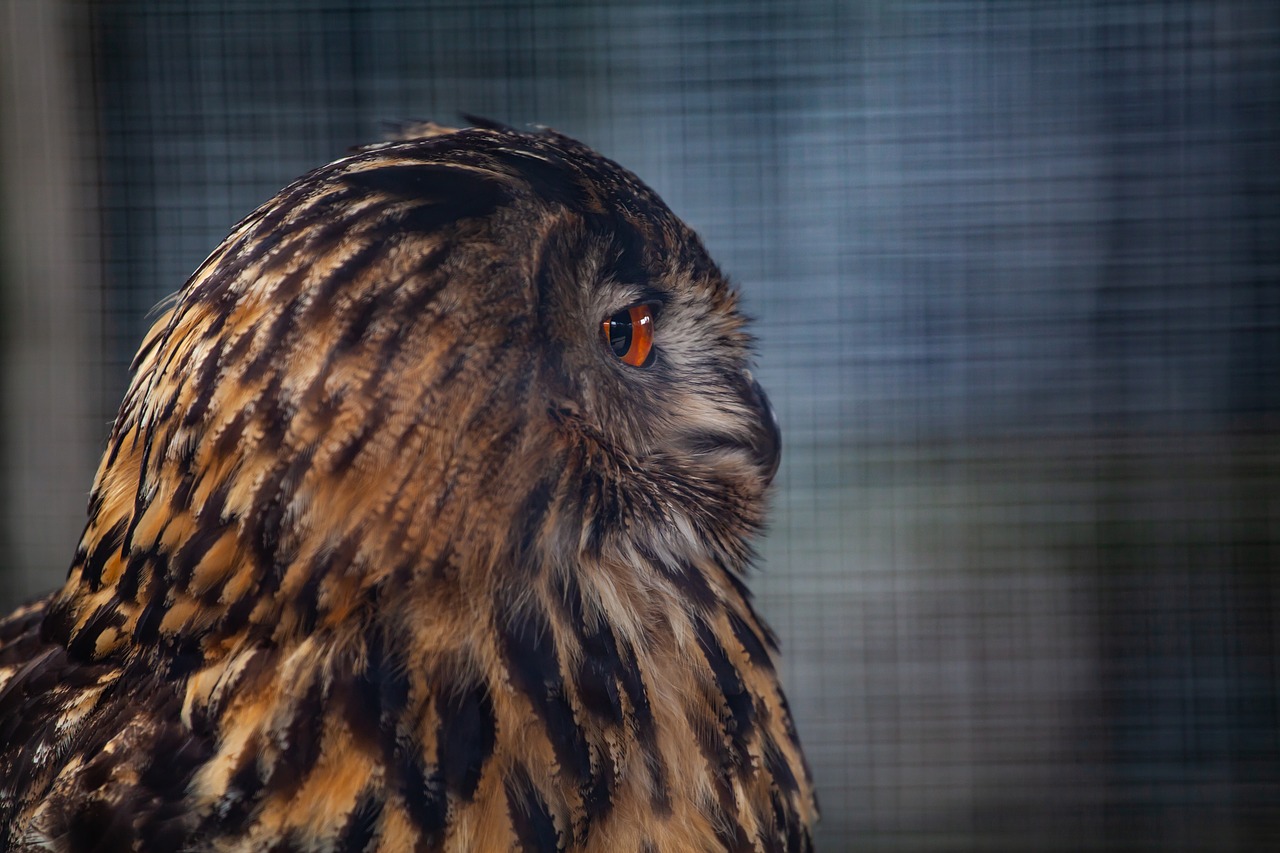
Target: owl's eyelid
{"type": "Point", "coordinates": [655, 299]}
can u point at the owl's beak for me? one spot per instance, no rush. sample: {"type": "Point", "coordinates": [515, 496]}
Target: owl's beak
{"type": "Point", "coordinates": [766, 444]}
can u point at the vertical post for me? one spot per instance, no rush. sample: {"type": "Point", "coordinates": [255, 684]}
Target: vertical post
{"type": "Point", "coordinates": [51, 425]}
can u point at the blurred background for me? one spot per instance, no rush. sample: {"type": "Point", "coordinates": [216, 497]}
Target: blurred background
{"type": "Point", "coordinates": [1016, 270]}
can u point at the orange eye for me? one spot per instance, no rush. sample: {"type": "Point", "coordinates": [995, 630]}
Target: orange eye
{"type": "Point", "coordinates": [629, 334]}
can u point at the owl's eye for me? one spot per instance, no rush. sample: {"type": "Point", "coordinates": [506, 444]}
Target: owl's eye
{"type": "Point", "coordinates": [629, 335]}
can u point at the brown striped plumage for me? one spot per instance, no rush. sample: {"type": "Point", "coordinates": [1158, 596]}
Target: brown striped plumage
{"type": "Point", "coordinates": [389, 551]}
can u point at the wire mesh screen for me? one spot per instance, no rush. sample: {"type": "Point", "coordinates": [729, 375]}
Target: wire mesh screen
{"type": "Point", "coordinates": [1014, 268]}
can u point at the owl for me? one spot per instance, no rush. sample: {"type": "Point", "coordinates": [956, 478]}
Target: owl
{"type": "Point", "coordinates": [423, 526]}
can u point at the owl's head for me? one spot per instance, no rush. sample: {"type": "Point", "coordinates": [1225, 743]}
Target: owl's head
{"type": "Point", "coordinates": [464, 358]}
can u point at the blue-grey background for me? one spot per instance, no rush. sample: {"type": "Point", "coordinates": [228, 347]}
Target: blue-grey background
{"type": "Point", "coordinates": [1016, 271]}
